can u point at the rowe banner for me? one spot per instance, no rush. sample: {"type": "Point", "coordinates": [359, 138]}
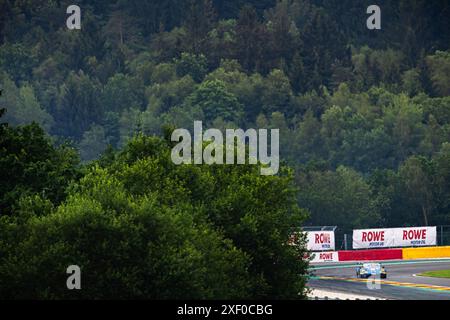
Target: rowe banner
{"type": "Point", "coordinates": [320, 240]}
{"type": "Point", "coordinates": [328, 256]}
{"type": "Point", "coordinates": [394, 237]}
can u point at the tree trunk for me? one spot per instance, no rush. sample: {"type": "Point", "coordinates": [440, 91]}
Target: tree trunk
{"type": "Point", "coordinates": [425, 215]}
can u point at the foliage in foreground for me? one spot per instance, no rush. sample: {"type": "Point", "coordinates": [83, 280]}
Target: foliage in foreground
{"type": "Point", "coordinates": [141, 227]}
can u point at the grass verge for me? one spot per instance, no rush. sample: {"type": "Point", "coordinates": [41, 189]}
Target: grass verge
{"type": "Point", "coordinates": [436, 274]}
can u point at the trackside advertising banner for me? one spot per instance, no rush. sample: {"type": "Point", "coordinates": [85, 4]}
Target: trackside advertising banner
{"type": "Point", "coordinates": [328, 256]}
{"type": "Point", "coordinates": [394, 237]}
{"type": "Point", "coordinates": [320, 240]}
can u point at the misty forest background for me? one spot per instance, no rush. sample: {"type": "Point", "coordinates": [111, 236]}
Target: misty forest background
{"type": "Point", "coordinates": [364, 119]}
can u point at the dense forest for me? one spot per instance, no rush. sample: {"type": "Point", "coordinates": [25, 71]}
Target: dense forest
{"type": "Point", "coordinates": [364, 119]}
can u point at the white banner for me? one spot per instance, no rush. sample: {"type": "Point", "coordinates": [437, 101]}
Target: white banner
{"type": "Point", "coordinates": [327, 256]}
{"type": "Point", "coordinates": [394, 237]}
{"type": "Point", "coordinates": [320, 240]}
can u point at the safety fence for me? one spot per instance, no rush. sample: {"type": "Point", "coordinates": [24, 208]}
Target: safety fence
{"type": "Point", "coordinates": [344, 237]}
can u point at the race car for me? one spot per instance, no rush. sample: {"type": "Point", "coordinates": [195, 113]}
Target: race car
{"type": "Point", "coordinates": [365, 270]}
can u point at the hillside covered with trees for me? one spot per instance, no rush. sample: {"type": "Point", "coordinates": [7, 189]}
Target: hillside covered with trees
{"type": "Point", "coordinates": [364, 119]}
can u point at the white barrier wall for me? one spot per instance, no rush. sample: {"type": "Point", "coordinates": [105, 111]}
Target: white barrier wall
{"type": "Point", "coordinates": [394, 237]}
{"type": "Point", "coordinates": [328, 256]}
{"type": "Point", "coordinates": [320, 240]}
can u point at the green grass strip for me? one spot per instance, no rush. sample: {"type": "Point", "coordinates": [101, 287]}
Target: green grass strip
{"type": "Point", "coordinates": [436, 274]}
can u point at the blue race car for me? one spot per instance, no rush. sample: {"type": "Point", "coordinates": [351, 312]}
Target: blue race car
{"type": "Point", "coordinates": [366, 270]}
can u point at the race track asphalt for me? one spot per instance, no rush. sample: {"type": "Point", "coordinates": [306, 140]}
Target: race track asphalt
{"type": "Point", "coordinates": [402, 281]}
